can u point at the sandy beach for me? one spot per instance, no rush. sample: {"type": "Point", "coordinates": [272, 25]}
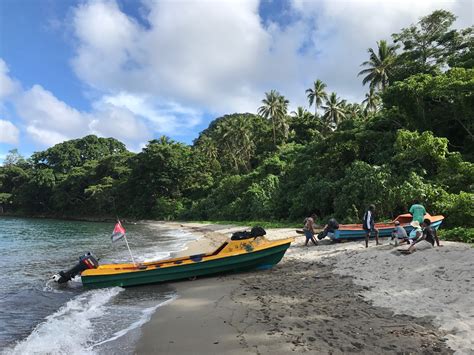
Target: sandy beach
{"type": "Point", "coordinates": [329, 299]}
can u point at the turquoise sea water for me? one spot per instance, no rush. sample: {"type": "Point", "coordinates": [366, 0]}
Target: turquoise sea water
{"type": "Point", "coordinates": [39, 316]}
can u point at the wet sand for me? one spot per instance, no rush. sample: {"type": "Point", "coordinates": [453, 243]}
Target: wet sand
{"type": "Point", "coordinates": [307, 303]}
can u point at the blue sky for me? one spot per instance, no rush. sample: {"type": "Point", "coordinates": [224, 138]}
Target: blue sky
{"type": "Point", "coordinates": [136, 70]}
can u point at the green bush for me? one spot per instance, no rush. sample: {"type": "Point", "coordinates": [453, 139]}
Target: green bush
{"type": "Point", "coordinates": [458, 234]}
{"type": "Point", "coordinates": [458, 209]}
{"type": "Point", "coordinates": [167, 208]}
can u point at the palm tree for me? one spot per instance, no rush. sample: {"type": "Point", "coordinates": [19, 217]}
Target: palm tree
{"type": "Point", "coordinates": [353, 111]}
{"type": "Point", "coordinates": [379, 66]}
{"type": "Point", "coordinates": [207, 147]}
{"type": "Point", "coordinates": [372, 101]}
{"type": "Point", "coordinates": [316, 94]}
{"type": "Point", "coordinates": [301, 114]}
{"type": "Point", "coordinates": [333, 111]}
{"type": "Point", "coordinates": [240, 138]}
{"type": "Point", "coordinates": [303, 125]}
{"type": "Point", "coordinates": [282, 121]}
{"type": "Point", "coordinates": [274, 108]}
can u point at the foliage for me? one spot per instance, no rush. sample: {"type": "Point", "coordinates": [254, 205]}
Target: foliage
{"type": "Point", "coordinates": [411, 139]}
{"type": "Point", "coordinates": [371, 101]}
{"type": "Point", "coordinates": [458, 234]}
{"type": "Point", "coordinates": [459, 209]}
{"type": "Point", "coordinates": [334, 112]}
{"type": "Point", "coordinates": [303, 126]}
{"type": "Point", "coordinates": [275, 108]}
{"type": "Point", "coordinates": [73, 153]}
{"type": "Point", "coordinates": [429, 44]}
{"type": "Point", "coordinates": [316, 95]}
{"type": "Point", "coordinates": [380, 66]}
{"type": "Point", "coordinates": [443, 104]}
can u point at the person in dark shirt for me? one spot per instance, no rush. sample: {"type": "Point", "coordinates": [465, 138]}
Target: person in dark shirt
{"type": "Point", "coordinates": [426, 240]}
{"type": "Point", "coordinates": [368, 225]}
{"type": "Point", "coordinates": [329, 230]}
{"type": "Point", "coordinates": [429, 234]}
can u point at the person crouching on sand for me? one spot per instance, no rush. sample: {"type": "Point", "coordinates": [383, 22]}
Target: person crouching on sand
{"type": "Point", "coordinates": [416, 232]}
{"type": "Point", "coordinates": [399, 234]}
{"type": "Point", "coordinates": [426, 240]}
{"type": "Point", "coordinates": [369, 225]}
{"type": "Point", "coordinates": [309, 230]}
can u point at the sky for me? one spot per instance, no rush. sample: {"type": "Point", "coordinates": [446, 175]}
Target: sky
{"type": "Point", "coordinates": [136, 70]}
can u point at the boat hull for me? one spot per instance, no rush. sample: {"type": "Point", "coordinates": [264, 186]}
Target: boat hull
{"type": "Point", "coordinates": [260, 259]}
{"type": "Point", "coordinates": [355, 231]}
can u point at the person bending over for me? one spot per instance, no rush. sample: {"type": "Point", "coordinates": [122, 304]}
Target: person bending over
{"type": "Point", "coordinates": [309, 230]}
{"type": "Point", "coordinates": [329, 230]}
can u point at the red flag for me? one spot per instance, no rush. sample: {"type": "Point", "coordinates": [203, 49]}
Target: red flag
{"type": "Point", "coordinates": [118, 233]}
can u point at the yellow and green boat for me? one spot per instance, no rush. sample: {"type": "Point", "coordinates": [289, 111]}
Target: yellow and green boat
{"type": "Point", "coordinates": [231, 256]}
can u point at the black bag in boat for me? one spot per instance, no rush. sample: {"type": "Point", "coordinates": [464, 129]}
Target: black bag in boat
{"type": "Point", "coordinates": [257, 232]}
{"type": "Point", "coordinates": [254, 233]}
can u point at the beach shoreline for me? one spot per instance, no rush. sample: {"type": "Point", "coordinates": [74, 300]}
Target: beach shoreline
{"type": "Point", "coordinates": [310, 302]}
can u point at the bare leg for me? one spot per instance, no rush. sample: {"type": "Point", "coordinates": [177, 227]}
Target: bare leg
{"type": "Point", "coordinates": [376, 237]}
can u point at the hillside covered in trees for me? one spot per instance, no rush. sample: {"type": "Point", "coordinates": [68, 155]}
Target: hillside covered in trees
{"type": "Point", "coordinates": [411, 138]}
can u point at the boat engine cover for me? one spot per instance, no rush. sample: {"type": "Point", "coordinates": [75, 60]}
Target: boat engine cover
{"type": "Point", "coordinates": [86, 261]}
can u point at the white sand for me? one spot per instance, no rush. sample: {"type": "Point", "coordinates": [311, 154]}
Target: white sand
{"type": "Point", "coordinates": [437, 283]}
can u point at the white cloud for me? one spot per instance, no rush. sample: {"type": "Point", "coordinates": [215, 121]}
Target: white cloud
{"type": "Point", "coordinates": [164, 117]}
{"type": "Point", "coordinates": [46, 137]}
{"type": "Point", "coordinates": [7, 85]}
{"type": "Point", "coordinates": [106, 43]}
{"type": "Point", "coordinates": [345, 29]}
{"type": "Point", "coordinates": [41, 109]}
{"type": "Point", "coordinates": [210, 55]}
{"type": "Point", "coordinates": [218, 56]}
{"type": "Point", "coordinates": [120, 123]}
{"type": "Point", "coordinates": [160, 73]}
{"type": "Point", "coordinates": [49, 120]}
{"type": "Point", "coordinates": [8, 132]}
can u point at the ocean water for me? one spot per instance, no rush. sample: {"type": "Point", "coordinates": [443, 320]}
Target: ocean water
{"type": "Point", "coordinates": [38, 316]}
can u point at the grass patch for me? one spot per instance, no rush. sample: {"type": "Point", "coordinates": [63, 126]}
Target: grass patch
{"type": "Point", "coordinates": [264, 224]}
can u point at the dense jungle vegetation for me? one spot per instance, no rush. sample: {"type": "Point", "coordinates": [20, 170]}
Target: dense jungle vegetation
{"type": "Point", "coordinates": [411, 138]}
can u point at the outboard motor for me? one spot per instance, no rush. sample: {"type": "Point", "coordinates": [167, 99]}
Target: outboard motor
{"type": "Point", "coordinates": [87, 261]}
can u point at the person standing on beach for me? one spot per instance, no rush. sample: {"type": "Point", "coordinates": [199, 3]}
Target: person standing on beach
{"type": "Point", "coordinates": [309, 230]}
{"type": "Point", "coordinates": [369, 225]}
{"type": "Point", "coordinates": [418, 211]}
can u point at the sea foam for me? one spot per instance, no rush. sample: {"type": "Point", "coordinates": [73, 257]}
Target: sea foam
{"type": "Point", "coordinates": [69, 330]}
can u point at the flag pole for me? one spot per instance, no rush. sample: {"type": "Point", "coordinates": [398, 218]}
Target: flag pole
{"type": "Point", "coordinates": [126, 242]}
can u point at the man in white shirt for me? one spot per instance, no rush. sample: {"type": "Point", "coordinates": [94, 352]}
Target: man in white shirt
{"type": "Point", "coordinates": [369, 225]}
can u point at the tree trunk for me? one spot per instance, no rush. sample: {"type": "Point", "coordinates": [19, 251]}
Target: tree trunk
{"type": "Point", "coordinates": [274, 132]}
